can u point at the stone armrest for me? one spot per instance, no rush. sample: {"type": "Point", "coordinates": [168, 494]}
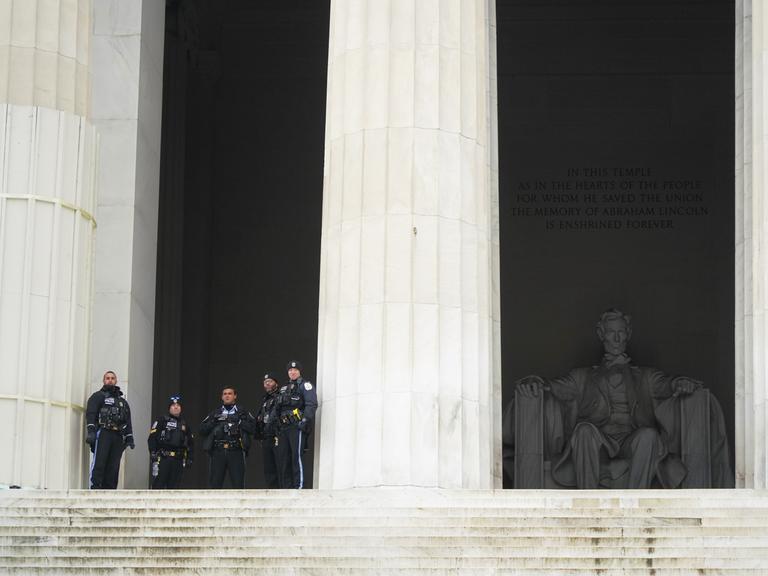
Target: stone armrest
{"type": "Point", "coordinates": [529, 441]}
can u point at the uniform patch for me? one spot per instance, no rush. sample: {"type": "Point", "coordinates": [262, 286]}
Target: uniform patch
{"type": "Point", "coordinates": [307, 385]}
{"type": "Point", "coordinates": [154, 424]}
{"type": "Point", "coordinates": [170, 424]}
{"type": "Point", "coordinates": [109, 400]}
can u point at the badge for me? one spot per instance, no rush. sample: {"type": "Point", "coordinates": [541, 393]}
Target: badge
{"type": "Point", "coordinates": [109, 400]}
{"type": "Point", "coordinates": [283, 388]}
{"type": "Point", "coordinates": [170, 424]}
{"type": "Point", "coordinates": [307, 385]}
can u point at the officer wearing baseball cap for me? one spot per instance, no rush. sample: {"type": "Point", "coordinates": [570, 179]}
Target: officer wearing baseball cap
{"type": "Point", "coordinates": [266, 429]}
{"type": "Point", "coordinates": [296, 406]}
{"type": "Point", "coordinates": [171, 445]}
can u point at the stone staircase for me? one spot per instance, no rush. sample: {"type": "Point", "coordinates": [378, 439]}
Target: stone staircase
{"type": "Point", "coordinates": [384, 531]}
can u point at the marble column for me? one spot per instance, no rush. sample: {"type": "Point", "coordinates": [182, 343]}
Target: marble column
{"type": "Point", "coordinates": [408, 373]}
{"type": "Point", "coordinates": [751, 121]}
{"type": "Point", "coordinates": [126, 109]}
{"type": "Point", "coordinates": [47, 228]}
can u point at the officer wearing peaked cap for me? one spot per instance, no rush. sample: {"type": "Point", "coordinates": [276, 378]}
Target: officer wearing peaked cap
{"type": "Point", "coordinates": [171, 445]}
{"type": "Point", "coordinates": [296, 407]}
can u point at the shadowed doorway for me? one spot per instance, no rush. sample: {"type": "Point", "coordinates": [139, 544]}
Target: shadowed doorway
{"type": "Point", "coordinates": [240, 207]}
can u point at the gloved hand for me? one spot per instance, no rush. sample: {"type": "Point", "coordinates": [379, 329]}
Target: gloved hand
{"type": "Point", "coordinates": [303, 424]}
{"type": "Point", "coordinates": [90, 437]}
{"type": "Point", "coordinates": [128, 441]}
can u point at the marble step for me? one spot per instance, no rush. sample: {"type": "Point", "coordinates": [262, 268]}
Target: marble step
{"type": "Point", "coordinates": [203, 520]}
{"type": "Point", "coordinates": [390, 498]}
{"type": "Point", "coordinates": [277, 571]}
{"type": "Point", "coordinates": [531, 498]}
{"type": "Point", "coordinates": [417, 561]}
{"type": "Point", "coordinates": [658, 533]}
{"type": "Point", "coordinates": [372, 548]}
{"type": "Point", "coordinates": [425, 539]}
{"type": "Point", "coordinates": [227, 508]}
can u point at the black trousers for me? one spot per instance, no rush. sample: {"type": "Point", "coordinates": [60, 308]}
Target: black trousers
{"type": "Point", "coordinates": [169, 473]}
{"type": "Point", "coordinates": [269, 457]}
{"type": "Point", "coordinates": [225, 460]}
{"type": "Point", "coordinates": [290, 450]}
{"type": "Point", "coordinates": [105, 462]}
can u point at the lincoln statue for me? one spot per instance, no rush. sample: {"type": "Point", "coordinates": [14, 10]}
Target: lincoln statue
{"type": "Point", "coordinates": [617, 421]}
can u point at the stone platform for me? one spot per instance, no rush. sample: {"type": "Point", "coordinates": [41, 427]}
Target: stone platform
{"type": "Point", "coordinates": [388, 531]}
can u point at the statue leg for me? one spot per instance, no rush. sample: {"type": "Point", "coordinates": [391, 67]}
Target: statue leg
{"type": "Point", "coordinates": [641, 448]}
{"type": "Point", "coordinates": [586, 442]}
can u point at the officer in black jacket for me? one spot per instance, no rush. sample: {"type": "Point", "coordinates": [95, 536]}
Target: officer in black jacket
{"type": "Point", "coordinates": [296, 406]}
{"type": "Point", "coordinates": [266, 430]}
{"type": "Point", "coordinates": [171, 446]}
{"type": "Point", "coordinates": [228, 431]}
{"type": "Point", "coordinates": [108, 432]}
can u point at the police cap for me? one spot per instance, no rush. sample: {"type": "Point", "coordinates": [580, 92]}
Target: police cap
{"type": "Point", "coordinates": [294, 364]}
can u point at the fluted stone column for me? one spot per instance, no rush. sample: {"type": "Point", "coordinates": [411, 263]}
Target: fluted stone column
{"type": "Point", "coordinates": [80, 116]}
{"type": "Point", "coordinates": [126, 109]}
{"type": "Point", "coordinates": [47, 200]}
{"type": "Point", "coordinates": [751, 244]}
{"type": "Point", "coordinates": [408, 342]}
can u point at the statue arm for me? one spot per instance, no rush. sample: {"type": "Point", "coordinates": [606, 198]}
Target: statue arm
{"type": "Point", "coordinates": [563, 388]}
{"type": "Point", "coordinates": [664, 386]}
{"type": "Point", "coordinates": [566, 388]}
{"type": "Point", "coordinates": [684, 386]}
{"type": "Point", "coordinates": [660, 383]}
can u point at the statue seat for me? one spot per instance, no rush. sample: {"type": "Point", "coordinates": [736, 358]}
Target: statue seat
{"type": "Point", "coordinates": [536, 431]}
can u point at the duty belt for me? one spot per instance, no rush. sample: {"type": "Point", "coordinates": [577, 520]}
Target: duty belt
{"type": "Point", "coordinates": [227, 444]}
{"type": "Point", "coordinates": [171, 453]}
{"type": "Point", "coordinates": [113, 427]}
{"type": "Point", "coordinates": [292, 417]}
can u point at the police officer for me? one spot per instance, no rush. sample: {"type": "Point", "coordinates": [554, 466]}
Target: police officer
{"type": "Point", "coordinates": [171, 445]}
{"type": "Point", "coordinates": [228, 430]}
{"type": "Point", "coordinates": [108, 432]}
{"type": "Point", "coordinates": [266, 429]}
{"type": "Point", "coordinates": [296, 406]}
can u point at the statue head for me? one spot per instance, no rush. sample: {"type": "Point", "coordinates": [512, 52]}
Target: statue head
{"type": "Point", "coordinates": [614, 329]}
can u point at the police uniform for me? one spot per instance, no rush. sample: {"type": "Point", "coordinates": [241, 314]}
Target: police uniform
{"type": "Point", "coordinates": [266, 432]}
{"type": "Point", "coordinates": [171, 446]}
{"type": "Point", "coordinates": [228, 431]}
{"type": "Point", "coordinates": [109, 432]}
{"type": "Point", "coordinates": [296, 406]}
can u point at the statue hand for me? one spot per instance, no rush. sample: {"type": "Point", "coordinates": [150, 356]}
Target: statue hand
{"type": "Point", "coordinates": [684, 386]}
{"type": "Point", "coordinates": [530, 386]}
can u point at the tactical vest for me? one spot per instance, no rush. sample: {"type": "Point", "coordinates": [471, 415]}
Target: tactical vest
{"type": "Point", "coordinates": [266, 420]}
{"type": "Point", "coordinates": [173, 433]}
{"type": "Point", "coordinates": [113, 414]}
{"type": "Point", "coordinates": [290, 397]}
